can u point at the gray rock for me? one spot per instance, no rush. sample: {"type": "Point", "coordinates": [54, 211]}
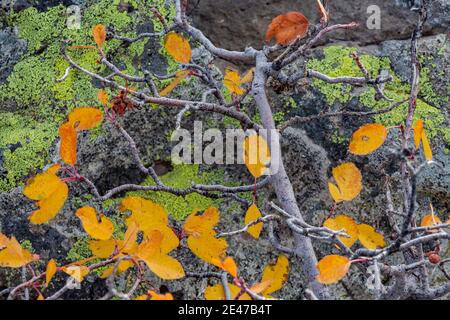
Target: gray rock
{"type": "Point", "coordinates": [11, 49]}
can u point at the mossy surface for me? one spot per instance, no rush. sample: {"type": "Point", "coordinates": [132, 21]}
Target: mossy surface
{"type": "Point", "coordinates": [33, 102]}
{"type": "Point", "coordinates": [337, 61]}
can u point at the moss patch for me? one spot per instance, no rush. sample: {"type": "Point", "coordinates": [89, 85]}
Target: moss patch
{"type": "Point", "coordinates": [338, 62]}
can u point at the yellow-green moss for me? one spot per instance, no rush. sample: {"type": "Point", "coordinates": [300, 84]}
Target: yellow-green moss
{"type": "Point", "coordinates": [337, 61]}
{"type": "Point", "coordinates": [39, 101]}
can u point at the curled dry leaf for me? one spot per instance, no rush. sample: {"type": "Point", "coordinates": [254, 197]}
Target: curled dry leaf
{"type": "Point", "coordinates": [98, 229]}
{"type": "Point", "coordinates": [349, 182]}
{"type": "Point", "coordinates": [348, 225]}
{"type": "Point", "coordinates": [287, 28]}
{"type": "Point", "coordinates": [251, 215]}
{"type": "Point", "coordinates": [368, 138]}
{"type": "Point", "coordinates": [201, 236]}
{"type": "Point", "coordinates": [332, 268]}
{"type": "Point", "coordinates": [370, 238]}
{"type": "Point", "coordinates": [13, 255]}
{"type": "Point", "coordinates": [430, 220]}
{"type": "Point", "coordinates": [155, 255]}
{"type": "Point", "coordinates": [217, 292]}
{"type": "Point", "coordinates": [256, 155]}
{"type": "Point", "coordinates": [178, 47]}
{"type": "Point", "coordinates": [99, 34]}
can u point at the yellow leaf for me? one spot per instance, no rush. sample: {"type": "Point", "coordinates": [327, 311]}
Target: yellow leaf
{"type": "Point", "coordinates": [232, 81]}
{"type": "Point", "coordinates": [256, 155]}
{"type": "Point", "coordinates": [277, 274]}
{"type": "Point", "coordinates": [248, 77]}
{"type": "Point", "coordinates": [202, 238]}
{"type": "Point", "coordinates": [13, 255]}
{"type": "Point", "coordinates": [253, 214]}
{"type": "Point", "coordinates": [49, 207]}
{"type": "Point", "coordinates": [431, 220]}
{"type": "Point", "coordinates": [68, 148]}
{"type": "Point", "coordinates": [41, 186]}
{"type": "Point", "coordinates": [103, 248]}
{"type": "Point", "coordinates": [349, 182]}
{"type": "Point", "coordinates": [332, 269]}
{"type": "Point", "coordinates": [102, 96]}
{"type": "Point", "coordinates": [228, 265]}
{"type": "Point", "coordinates": [99, 34]}
{"type": "Point", "coordinates": [129, 245]}
{"type": "Point", "coordinates": [260, 287]}
{"type": "Point", "coordinates": [76, 272]}
{"type": "Point", "coordinates": [348, 225]}
{"type": "Point", "coordinates": [217, 292]}
{"type": "Point", "coordinates": [101, 230]}
{"type": "Point", "coordinates": [3, 241]}
{"type": "Point", "coordinates": [40, 297]}
{"type": "Point", "coordinates": [178, 47]}
{"type": "Point", "coordinates": [181, 75]}
{"type": "Point", "coordinates": [335, 193]}
{"type": "Point", "coordinates": [85, 118]}
{"type": "Point", "coordinates": [50, 272]}
{"type": "Point", "coordinates": [123, 266]}
{"type": "Point", "coordinates": [418, 129]}
{"type": "Point", "coordinates": [156, 296]}
{"type": "Point", "coordinates": [53, 170]}
{"type": "Point", "coordinates": [369, 237]}
{"type": "Point", "coordinates": [155, 256]}
{"type": "Point", "coordinates": [426, 147]}
{"type": "Point", "coordinates": [368, 138]}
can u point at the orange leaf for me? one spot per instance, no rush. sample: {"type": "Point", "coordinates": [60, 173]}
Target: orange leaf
{"type": "Point", "coordinates": [276, 274]}
{"type": "Point", "coordinates": [253, 214]}
{"type": "Point", "coordinates": [102, 96]}
{"type": "Point", "coordinates": [332, 269]}
{"type": "Point", "coordinates": [85, 118]}
{"type": "Point", "coordinates": [49, 207]}
{"type": "Point", "coordinates": [99, 34]}
{"type": "Point", "coordinates": [41, 186]}
{"type": "Point", "coordinates": [287, 28]}
{"type": "Point", "coordinates": [347, 224]}
{"type": "Point", "coordinates": [418, 129]}
{"type": "Point", "coordinates": [50, 272]}
{"type": "Point", "coordinates": [228, 265]}
{"type": "Point", "coordinates": [217, 292]}
{"type": "Point", "coordinates": [68, 148]}
{"type": "Point", "coordinates": [178, 47]}
{"type": "Point", "coordinates": [157, 296]}
{"type": "Point", "coordinates": [349, 182]}
{"type": "Point", "coordinates": [367, 139]}
{"type": "Point", "coordinates": [431, 220]}
{"type": "Point", "coordinates": [369, 237]}
{"type": "Point", "coordinates": [13, 255]}
{"type": "Point", "coordinates": [202, 238]}
{"type": "Point", "coordinates": [256, 155]}
{"type": "Point", "coordinates": [426, 147]}
{"type": "Point", "coordinates": [232, 81]}
{"type": "Point", "coordinates": [152, 252]}
{"type": "Point", "coordinates": [181, 75]}
{"type": "Point", "coordinates": [101, 230]}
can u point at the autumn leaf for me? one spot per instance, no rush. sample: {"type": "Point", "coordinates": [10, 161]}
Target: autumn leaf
{"type": "Point", "coordinates": [76, 272]}
{"type": "Point", "coordinates": [102, 96]}
{"type": "Point", "coordinates": [256, 155]}
{"type": "Point", "coordinates": [68, 148]}
{"type": "Point", "coordinates": [201, 236]}
{"type": "Point", "coordinates": [41, 186]}
{"type": "Point", "coordinates": [418, 129]}
{"type": "Point", "coordinates": [50, 271]}
{"type": "Point", "coordinates": [99, 34]}
{"type": "Point", "coordinates": [349, 182]}
{"type": "Point", "coordinates": [253, 214]}
{"type": "Point", "coordinates": [178, 47]}
{"type": "Point", "coordinates": [149, 216]}
{"type": "Point", "coordinates": [103, 248]}
{"type": "Point", "coordinates": [180, 76]}
{"type": "Point", "coordinates": [332, 269]}
{"type": "Point", "coordinates": [367, 139]}
{"type": "Point", "coordinates": [85, 118]}
{"type": "Point", "coordinates": [248, 76]}
{"type": "Point", "coordinates": [123, 266]}
{"type": "Point", "coordinates": [232, 81]}
{"type": "Point", "coordinates": [369, 237]}
{"type": "Point", "coordinates": [276, 275]}
{"type": "Point", "coordinates": [49, 207]}
{"type": "Point", "coordinates": [426, 147]}
{"type": "Point", "coordinates": [13, 255]}
{"type": "Point", "coordinates": [106, 248]}
{"type": "Point", "coordinates": [287, 28]}
{"type": "Point", "coordinates": [217, 292]}
{"type": "Point", "coordinates": [152, 295]}
{"type": "Point", "coordinates": [156, 257]}
{"type": "Point", "coordinates": [98, 229]}
{"type": "Point", "coordinates": [228, 265]}
{"type": "Point", "coordinates": [347, 224]}
{"type": "Point", "coordinates": [431, 220]}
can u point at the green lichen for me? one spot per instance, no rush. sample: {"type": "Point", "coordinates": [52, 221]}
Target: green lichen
{"type": "Point", "coordinates": [39, 101]}
{"type": "Point", "coordinates": [338, 62]}
{"type": "Point", "coordinates": [182, 176]}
